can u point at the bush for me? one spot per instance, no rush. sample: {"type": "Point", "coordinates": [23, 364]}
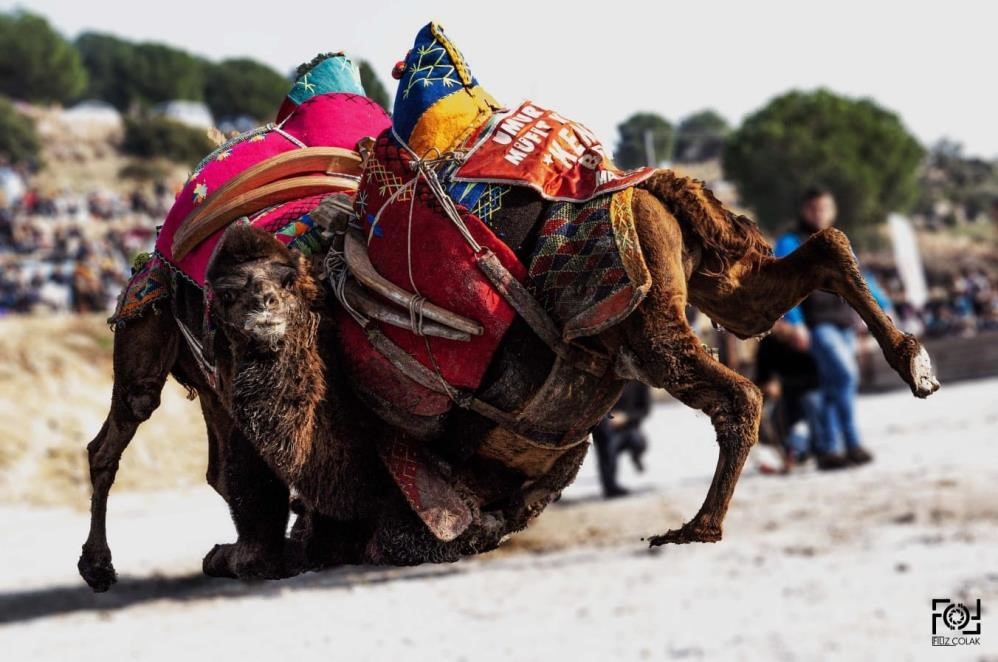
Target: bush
{"type": "Point", "coordinates": [145, 170]}
{"type": "Point", "coordinates": [37, 64]}
{"type": "Point", "coordinates": [701, 137]}
{"type": "Point", "coordinates": [635, 133]}
{"type": "Point", "coordinates": [373, 86]}
{"type": "Point", "coordinates": [244, 87]}
{"type": "Point", "coordinates": [128, 75]}
{"type": "Point", "coordinates": [19, 143]}
{"type": "Point", "coordinates": [159, 137]}
{"type": "Point", "coordinates": [859, 150]}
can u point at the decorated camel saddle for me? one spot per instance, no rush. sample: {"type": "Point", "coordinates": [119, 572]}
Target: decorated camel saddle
{"type": "Point", "coordinates": [273, 177]}
{"type": "Point", "coordinates": [427, 237]}
{"type": "Point", "coordinates": [282, 178]}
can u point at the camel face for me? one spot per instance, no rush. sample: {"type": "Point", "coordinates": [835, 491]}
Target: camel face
{"type": "Point", "coordinates": [257, 290]}
{"type": "Point", "coordinates": [256, 298]}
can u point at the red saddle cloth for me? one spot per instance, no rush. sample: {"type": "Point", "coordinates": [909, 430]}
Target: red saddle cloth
{"type": "Point", "coordinates": [557, 157]}
{"type": "Point", "coordinates": [413, 244]}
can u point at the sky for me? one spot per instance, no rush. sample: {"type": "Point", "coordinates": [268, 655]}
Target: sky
{"type": "Point", "coordinates": [598, 62]}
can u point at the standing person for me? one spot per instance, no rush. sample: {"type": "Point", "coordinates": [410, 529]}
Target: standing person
{"type": "Point", "coordinates": [620, 432]}
{"type": "Point", "coordinates": [788, 378]}
{"type": "Point", "coordinates": [826, 324]}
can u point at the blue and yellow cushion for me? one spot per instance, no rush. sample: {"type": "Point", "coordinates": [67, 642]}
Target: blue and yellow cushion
{"type": "Point", "coordinates": [438, 103]}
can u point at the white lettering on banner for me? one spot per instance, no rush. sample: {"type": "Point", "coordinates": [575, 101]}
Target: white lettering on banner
{"type": "Point", "coordinates": [530, 111]}
{"type": "Point", "coordinates": [523, 144]}
{"type": "Point", "coordinates": [568, 136]}
{"type": "Point", "coordinates": [564, 157]}
{"type": "Point", "coordinates": [605, 177]}
{"type": "Point", "coordinates": [558, 118]}
{"type": "Point", "coordinates": [529, 127]}
{"type": "Point", "coordinates": [515, 156]}
{"type": "Point", "coordinates": [588, 137]}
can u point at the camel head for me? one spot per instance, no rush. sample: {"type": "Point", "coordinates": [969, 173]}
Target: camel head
{"type": "Point", "coordinates": [263, 291]}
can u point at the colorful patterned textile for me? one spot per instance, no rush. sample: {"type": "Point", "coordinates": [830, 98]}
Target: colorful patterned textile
{"type": "Point", "coordinates": [336, 73]}
{"type": "Point", "coordinates": [587, 269]}
{"type": "Point", "coordinates": [149, 283]}
{"type": "Point", "coordinates": [292, 225]}
{"type": "Point", "coordinates": [536, 147]}
{"type": "Point", "coordinates": [438, 103]}
{"type": "Point", "coordinates": [429, 494]}
{"type": "Point", "coordinates": [332, 119]}
{"type": "Point", "coordinates": [414, 245]}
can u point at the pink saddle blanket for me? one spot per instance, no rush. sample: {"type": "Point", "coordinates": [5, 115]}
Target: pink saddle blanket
{"type": "Point", "coordinates": [336, 119]}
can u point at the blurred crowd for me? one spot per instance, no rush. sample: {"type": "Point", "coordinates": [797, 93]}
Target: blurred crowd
{"type": "Point", "coordinates": [72, 251]}
{"type": "Point", "coordinates": [960, 304]}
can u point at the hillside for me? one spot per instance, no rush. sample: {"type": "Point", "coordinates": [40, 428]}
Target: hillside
{"type": "Point", "coordinates": [55, 389]}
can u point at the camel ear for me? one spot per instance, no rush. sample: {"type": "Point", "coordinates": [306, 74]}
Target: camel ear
{"type": "Point", "coordinates": [244, 243]}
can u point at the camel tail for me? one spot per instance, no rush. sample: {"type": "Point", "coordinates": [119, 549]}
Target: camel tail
{"type": "Point", "coordinates": [724, 235]}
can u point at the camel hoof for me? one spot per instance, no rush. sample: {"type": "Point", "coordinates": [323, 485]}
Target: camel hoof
{"type": "Point", "coordinates": [238, 561]}
{"type": "Point", "coordinates": [216, 563]}
{"type": "Point", "coordinates": [923, 381]}
{"type": "Point", "coordinates": [686, 534]}
{"type": "Point", "coordinates": [99, 574]}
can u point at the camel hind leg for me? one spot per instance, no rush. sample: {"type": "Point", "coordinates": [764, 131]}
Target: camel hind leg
{"type": "Point", "coordinates": [144, 351]}
{"type": "Point", "coordinates": [769, 287]}
{"type": "Point", "coordinates": [661, 350]}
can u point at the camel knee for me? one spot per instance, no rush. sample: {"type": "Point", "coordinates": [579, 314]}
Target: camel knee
{"type": "Point", "coordinates": [139, 401]}
{"type": "Point", "coordinates": [737, 418]}
{"type": "Point", "coordinates": [748, 400]}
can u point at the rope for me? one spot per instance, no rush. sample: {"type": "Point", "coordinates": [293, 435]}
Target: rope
{"type": "Point", "coordinates": [335, 265]}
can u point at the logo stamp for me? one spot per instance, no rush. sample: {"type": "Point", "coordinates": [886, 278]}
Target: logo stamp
{"type": "Point", "coordinates": [955, 624]}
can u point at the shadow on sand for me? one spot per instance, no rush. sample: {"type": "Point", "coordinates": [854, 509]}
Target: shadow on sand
{"type": "Point", "coordinates": [60, 600]}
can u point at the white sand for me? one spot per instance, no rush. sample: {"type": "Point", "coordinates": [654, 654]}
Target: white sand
{"type": "Point", "coordinates": [814, 566]}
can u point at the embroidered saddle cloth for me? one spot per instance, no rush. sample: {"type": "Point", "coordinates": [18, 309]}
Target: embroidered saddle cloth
{"type": "Point", "coordinates": [325, 107]}
{"type": "Point", "coordinates": [586, 267]}
{"type": "Point", "coordinates": [411, 243]}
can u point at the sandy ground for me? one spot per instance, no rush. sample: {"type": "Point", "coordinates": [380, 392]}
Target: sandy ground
{"type": "Point", "coordinates": [813, 566]}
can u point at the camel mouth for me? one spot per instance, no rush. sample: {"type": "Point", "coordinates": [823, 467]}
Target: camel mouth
{"type": "Point", "coordinates": [266, 327]}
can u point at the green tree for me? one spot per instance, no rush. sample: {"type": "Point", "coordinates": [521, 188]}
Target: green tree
{"type": "Point", "coordinates": [859, 150]}
{"type": "Point", "coordinates": [373, 86]}
{"type": "Point", "coordinates": [126, 74]}
{"type": "Point", "coordinates": [640, 134]}
{"type": "Point", "coordinates": [37, 64]}
{"type": "Point", "coordinates": [964, 182]}
{"type": "Point", "coordinates": [701, 137]}
{"type": "Point", "coordinates": [18, 140]}
{"type": "Point", "coordinates": [244, 87]}
{"type": "Point", "coordinates": [160, 137]}
{"type": "Point", "coordinates": [110, 64]}
{"type": "Point", "coordinates": [164, 73]}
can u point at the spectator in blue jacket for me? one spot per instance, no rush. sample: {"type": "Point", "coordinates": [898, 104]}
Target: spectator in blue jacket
{"type": "Point", "coordinates": [826, 325]}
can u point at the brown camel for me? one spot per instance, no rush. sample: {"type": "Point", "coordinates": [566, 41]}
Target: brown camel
{"type": "Point", "coordinates": [697, 252]}
{"type": "Point", "coordinates": [313, 433]}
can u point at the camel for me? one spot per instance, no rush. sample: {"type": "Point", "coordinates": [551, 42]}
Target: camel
{"type": "Point", "coordinates": [698, 253]}
{"type": "Point", "coordinates": [323, 442]}
{"type": "Point", "coordinates": [288, 423]}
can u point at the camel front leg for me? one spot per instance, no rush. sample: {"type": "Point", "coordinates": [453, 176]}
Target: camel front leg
{"type": "Point", "coordinates": [665, 353]}
{"type": "Point", "coordinates": [660, 349]}
{"type": "Point", "coordinates": [144, 351]}
{"type": "Point", "coordinates": [769, 287]}
{"type": "Point", "coordinates": [258, 502]}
